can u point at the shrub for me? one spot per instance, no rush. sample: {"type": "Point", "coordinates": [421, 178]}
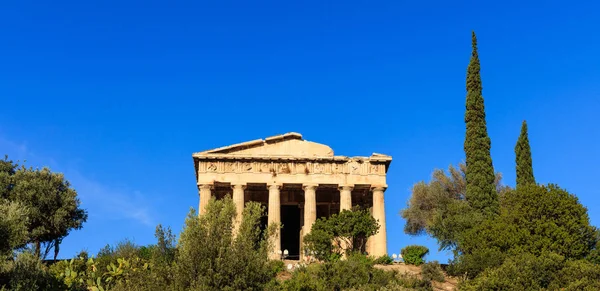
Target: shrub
{"type": "Point", "coordinates": [530, 272]}
{"type": "Point", "coordinates": [413, 254]}
{"type": "Point", "coordinates": [28, 273]}
{"type": "Point", "coordinates": [356, 271]}
{"type": "Point", "coordinates": [533, 219]}
{"type": "Point", "coordinates": [383, 260]}
{"type": "Point", "coordinates": [276, 266]}
{"type": "Point", "coordinates": [432, 271]}
{"type": "Point", "coordinates": [210, 257]}
{"type": "Point", "coordinates": [340, 234]}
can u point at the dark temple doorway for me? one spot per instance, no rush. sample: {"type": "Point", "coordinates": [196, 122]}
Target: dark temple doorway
{"type": "Point", "coordinates": [290, 233]}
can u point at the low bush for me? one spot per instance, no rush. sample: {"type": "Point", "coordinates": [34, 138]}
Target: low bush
{"type": "Point", "coordinates": [276, 266]}
{"type": "Point", "coordinates": [549, 271]}
{"type": "Point", "coordinates": [432, 271]}
{"type": "Point", "coordinates": [26, 273]}
{"type": "Point", "coordinates": [357, 272]}
{"type": "Point", "coordinates": [413, 254]}
{"type": "Point", "coordinates": [383, 260]}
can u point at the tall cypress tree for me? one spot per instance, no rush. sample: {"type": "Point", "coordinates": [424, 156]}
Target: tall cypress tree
{"type": "Point", "coordinates": [481, 192]}
{"type": "Point", "coordinates": [523, 157]}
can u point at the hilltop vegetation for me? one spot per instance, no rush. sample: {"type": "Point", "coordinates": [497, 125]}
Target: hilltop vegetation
{"type": "Point", "coordinates": [527, 238]}
{"type": "Point", "coordinates": [530, 237]}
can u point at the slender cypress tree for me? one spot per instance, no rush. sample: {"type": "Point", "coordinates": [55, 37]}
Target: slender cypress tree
{"type": "Point", "coordinates": [481, 192]}
{"type": "Point", "coordinates": [523, 157]}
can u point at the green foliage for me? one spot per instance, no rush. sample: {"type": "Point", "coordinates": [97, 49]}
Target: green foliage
{"type": "Point", "coordinates": [432, 271]}
{"type": "Point", "coordinates": [155, 272]}
{"type": "Point", "coordinates": [81, 274]}
{"type": "Point", "coordinates": [13, 219]}
{"type": "Point", "coordinates": [210, 258]}
{"type": "Point", "coordinates": [503, 239]}
{"type": "Point", "coordinates": [547, 271]}
{"type": "Point", "coordinates": [52, 206]}
{"type": "Point", "coordinates": [354, 273]}
{"type": "Point", "coordinates": [523, 158]}
{"type": "Point", "coordinates": [534, 219]}
{"type": "Point", "coordinates": [340, 234]}
{"type": "Point", "coordinates": [413, 254]}
{"type": "Point", "coordinates": [26, 273]}
{"type": "Point", "coordinates": [594, 255]}
{"type": "Point", "coordinates": [439, 208]}
{"type": "Point", "coordinates": [383, 260]}
{"type": "Point", "coordinates": [480, 193]}
{"type": "Point", "coordinates": [13, 227]}
{"type": "Point", "coordinates": [276, 266]}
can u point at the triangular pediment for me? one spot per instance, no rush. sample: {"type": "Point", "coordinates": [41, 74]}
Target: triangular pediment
{"type": "Point", "coordinates": [289, 144]}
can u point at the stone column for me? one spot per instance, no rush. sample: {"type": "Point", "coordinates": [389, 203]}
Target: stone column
{"type": "Point", "coordinates": [379, 242]}
{"type": "Point", "coordinates": [205, 192]}
{"type": "Point", "coordinates": [345, 204]}
{"type": "Point", "coordinates": [274, 218]}
{"type": "Point", "coordinates": [238, 199]}
{"type": "Point", "coordinates": [310, 206]}
{"type": "Point", "coordinates": [345, 197]}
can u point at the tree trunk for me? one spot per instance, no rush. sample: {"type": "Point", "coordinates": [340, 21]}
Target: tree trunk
{"type": "Point", "coordinates": [56, 248]}
{"type": "Point", "coordinates": [38, 247]}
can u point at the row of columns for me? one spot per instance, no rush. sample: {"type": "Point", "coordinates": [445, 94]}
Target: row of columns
{"type": "Point", "coordinates": [377, 242]}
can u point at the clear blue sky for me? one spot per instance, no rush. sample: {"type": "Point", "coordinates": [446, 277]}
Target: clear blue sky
{"type": "Point", "coordinates": [118, 95]}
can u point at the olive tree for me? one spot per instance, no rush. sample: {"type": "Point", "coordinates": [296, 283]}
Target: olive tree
{"type": "Point", "coordinates": [211, 257]}
{"type": "Point", "coordinates": [339, 234]}
{"type": "Point", "coordinates": [53, 208]}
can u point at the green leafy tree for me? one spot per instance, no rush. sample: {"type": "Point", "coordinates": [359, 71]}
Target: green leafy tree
{"type": "Point", "coordinates": [535, 219]}
{"type": "Point", "coordinates": [340, 234]}
{"type": "Point", "coordinates": [439, 208]}
{"type": "Point", "coordinates": [13, 215]}
{"type": "Point", "coordinates": [53, 207]}
{"type": "Point", "coordinates": [594, 255]}
{"type": "Point", "coordinates": [210, 257]}
{"type": "Point", "coordinates": [13, 228]}
{"type": "Point", "coordinates": [523, 158]}
{"type": "Point", "coordinates": [548, 271]}
{"type": "Point", "coordinates": [7, 170]}
{"type": "Point", "coordinates": [480, 193]}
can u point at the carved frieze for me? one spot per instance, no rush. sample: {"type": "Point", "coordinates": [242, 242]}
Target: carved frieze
{"type": "Point", "coordinates": [265, 167]}
{"type": "Point", "coordinates": [231, 167]}
{"type": "Point", "coordinates": [354, 167]}
{"type": "Point", "coordinates": [247, 167]}
{"type": "Point", "coordinates": [212, 167]}
{"type": "Point", "coordinates": [318, 168]}
{"type": "Point", "coordinates": [284, 168]}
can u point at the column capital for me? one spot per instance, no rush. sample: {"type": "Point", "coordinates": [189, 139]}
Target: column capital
{"type": "Point", "coordinates": [274, 186]}
{"type": "Point", "coordinates": [378, 188]}
{"type": "Point", "coordinates": [238, 186]}
{"type": "Point", "coordinates": [346, 187]}
{"type": "Point", "coordinates": [309, 186]}
{"type": "Point", "coordinates": [205, 186]}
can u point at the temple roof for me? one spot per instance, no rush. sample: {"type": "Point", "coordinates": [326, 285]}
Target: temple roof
{"type": "Point", "coordinates": [284, 146]}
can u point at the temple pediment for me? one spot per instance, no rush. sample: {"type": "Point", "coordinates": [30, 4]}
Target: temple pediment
{"type": "Point", "coordinates": [289, 158]}
{"type": "Point", "coordinates": [289, 144]}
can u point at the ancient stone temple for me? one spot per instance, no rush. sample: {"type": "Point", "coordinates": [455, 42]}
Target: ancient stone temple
{"type": "Point", "coordinates": [298, 181]}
